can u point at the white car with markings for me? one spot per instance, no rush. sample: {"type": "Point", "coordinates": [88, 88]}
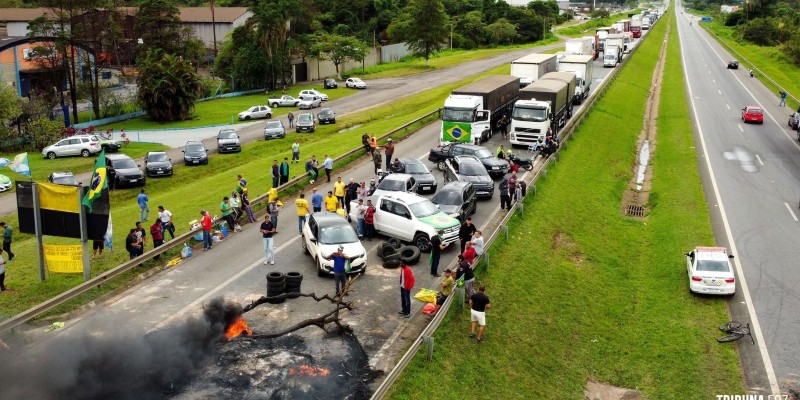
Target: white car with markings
{"type": "Point", "coordinates": [710, 271]}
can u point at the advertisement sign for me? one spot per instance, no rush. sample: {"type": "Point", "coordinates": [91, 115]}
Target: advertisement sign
{"type": "Point", "coordinates": [66, 259]}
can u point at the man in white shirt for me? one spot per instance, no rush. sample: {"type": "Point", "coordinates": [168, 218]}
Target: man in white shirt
{"type": "Point", "coordinates": [477, 242]}
{"type": "Point", "coordinates": [166, 222]}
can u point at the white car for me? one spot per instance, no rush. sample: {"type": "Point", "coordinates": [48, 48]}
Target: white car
{"type": "Point", "coordinates": [323, 233]}
{"type": "Point", "coordinates": [394, 183]}
{"type": "Point", "coordinates": [313, 92]}
{"type": "Point", "coordinates": [255, 112]}
{"type": "Point", "coordinates": [355, 83]}
{"type": "Point", "coordinates": [82, 145]}
{"type": "Point", "coordinates": [309, 101]}
{"type": "Point", "coordinates": [5, 183]}
{"type": "Point", "coordinates": [710, 271]}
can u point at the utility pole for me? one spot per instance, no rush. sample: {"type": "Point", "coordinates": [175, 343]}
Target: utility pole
{"type": "Point", "coordinates": [214, 27]}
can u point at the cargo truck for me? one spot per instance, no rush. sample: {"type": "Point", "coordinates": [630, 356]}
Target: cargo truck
{"type": "Point", "coordinates": [595, 46]}
{"type": "Point", "coordinates": [636, 29]}
{"type": "Point", "coordinates": [471, 111]}
{"type": "Point", "coordinates": [645, 23]}
{"type": "Point", "coordinates": [626, 25]}
{"type": "Point", "coordinates": [601, 36]}
{"type": "Point", "coordinates": [531, 67]}
{"type": "Point", "coordinates": [542, 105]}
{"type": "Point", "coordinates": [617, 40]}
{"type": "Point", "coordinates": [611, 57]}
{"type": "Point", "coordinates": [580, 47]}
{"type": "Point", "coordinates": [581, 66]}
{"type": "Point", "coordinates": [570, 79]}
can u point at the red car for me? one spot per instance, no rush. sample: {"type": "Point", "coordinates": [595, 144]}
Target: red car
{"type": "Point", "coordinates": [752, 114]}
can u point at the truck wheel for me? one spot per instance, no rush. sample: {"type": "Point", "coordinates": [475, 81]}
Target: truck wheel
{"type": "Point", "coordinates": [423, 242]}
{"type": "Point", "coordinates": [409, 254]}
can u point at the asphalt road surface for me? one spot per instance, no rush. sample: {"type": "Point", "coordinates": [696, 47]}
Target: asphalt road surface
{"type": "Point", "coordinates": [751, 181]}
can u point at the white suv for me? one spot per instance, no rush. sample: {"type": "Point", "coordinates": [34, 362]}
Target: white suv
{"type": "Point", "coordinates": [82, 145]}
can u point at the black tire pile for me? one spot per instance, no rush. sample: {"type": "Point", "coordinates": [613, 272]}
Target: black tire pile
{"type": "Point", "coordinates": [279, 283]}
{"type": "Point", "coordinates": [393, 253]}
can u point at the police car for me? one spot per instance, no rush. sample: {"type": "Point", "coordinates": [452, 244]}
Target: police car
{"type": "Point", "coordinates": [710, 271]}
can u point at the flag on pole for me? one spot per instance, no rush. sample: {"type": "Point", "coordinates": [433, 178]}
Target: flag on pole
{"type": "Point", "coordinates": [99, 181]}
{"type": "Point", "coordinates": [20, 165]}
{"type": "Point", "coordinates": [107, 238]}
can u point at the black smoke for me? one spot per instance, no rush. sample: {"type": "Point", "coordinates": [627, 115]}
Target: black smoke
{"type": "Point", "coordinates": [118, 366]}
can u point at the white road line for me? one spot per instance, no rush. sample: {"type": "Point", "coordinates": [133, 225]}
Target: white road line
{"type": "Point", "coordinates": [740, 127]}
{"type": "Point", "coordinates": [729, 107]}
{"type": "Point", "coordinates": [791, 212]}
{"type": "Point", "coordinates": [759, 160]}
{"type": "Point", "coordinates": [720, 91]}
{"type": "Point", "coordinates": [714, 80]}
{"type": "Point", "coordinates": [181, 314]}
{"type": "Point", "coordinates": [762, 347]}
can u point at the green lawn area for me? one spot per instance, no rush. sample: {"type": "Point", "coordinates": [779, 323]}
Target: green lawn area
{"type": "Point", "coordinates": [588, 28]}
{"type": "Point", "coordinates": [580, 291]}
{"type": "Point", "coordinates": [202, 187]}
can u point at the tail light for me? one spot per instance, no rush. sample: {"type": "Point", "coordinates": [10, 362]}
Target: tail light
{"type": "Point", "coordinates": [730, 280]}
{"type": "Point", "coordinates": [92, 144]}
{"type": "Point", "coordinates": [697, 279]}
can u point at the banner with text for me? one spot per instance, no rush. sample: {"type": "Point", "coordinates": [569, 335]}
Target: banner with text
{"type": "Point", "coordinates": [66, 259]}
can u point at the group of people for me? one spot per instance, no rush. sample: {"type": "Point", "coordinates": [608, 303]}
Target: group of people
{"type": "Point", "coordinates": [370, 144]}
{"type": "Point", "coordinates": [135, 241]}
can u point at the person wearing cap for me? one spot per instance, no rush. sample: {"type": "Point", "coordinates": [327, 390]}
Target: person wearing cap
{"type": "Point", "coordinates": [339, 271]}
{"type": "Point", "coordinates": [389, 150]}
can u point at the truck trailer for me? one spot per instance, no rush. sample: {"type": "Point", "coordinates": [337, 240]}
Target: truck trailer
{"type": "Point", "coordinates": [618, 40]}
{"type": "Point", "coordinates": [581, 47]}
{"type": "Point", "coordinates": [542, 106]}
{"type": "Point", "coordinates": [471, 111]}
{"type": "Point", "coordinates": [581, 66]}
{"type": "Point", "coordinates": [601, 36]}
{"type": "Point", "coordinates": [531, 67]}
{"type": "Point", "coordinates": [571, 80]}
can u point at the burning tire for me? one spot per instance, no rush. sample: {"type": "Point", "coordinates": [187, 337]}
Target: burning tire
{"type": "Point", "coordinates": [409, 254]}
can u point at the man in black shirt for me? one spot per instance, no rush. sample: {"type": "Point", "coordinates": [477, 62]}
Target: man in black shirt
{"type": "Point", "coordinates": [133, 244]}
{"type": "Point", "coordinates": [465, 232]}
{"type": "Point", "coordinates": [479, 303]}
{"type": "Point", "coordinates": [436, 252]}
{"type": "Point", "coordinates": [350, 194]}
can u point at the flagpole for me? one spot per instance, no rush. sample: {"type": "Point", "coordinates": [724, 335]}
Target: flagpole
{"type": "Point", "coordinates": [87, 271]}
{"type": "Point", "coordinates": [37, 224]}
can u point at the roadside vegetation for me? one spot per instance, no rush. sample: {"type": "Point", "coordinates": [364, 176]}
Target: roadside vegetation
{"type": "Point", "coordinates": [580, 291]}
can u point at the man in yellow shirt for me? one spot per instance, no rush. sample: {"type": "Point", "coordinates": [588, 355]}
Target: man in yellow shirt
{"type": "Point", "coordinates": [338, 191]}
{"type": "Point", "coordinates": [302, 211]}
{"type": "Point", "coordinates": [331, 202]}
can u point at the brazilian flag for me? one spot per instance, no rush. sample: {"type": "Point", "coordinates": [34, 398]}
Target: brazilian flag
{"type": "Point", "coordinates": [99, 181]}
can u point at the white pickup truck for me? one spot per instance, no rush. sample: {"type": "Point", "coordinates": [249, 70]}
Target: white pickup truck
{"type": "Point", "coordinates": [284, 101]}
{"type": "Point", "coordinates": [410, 218]}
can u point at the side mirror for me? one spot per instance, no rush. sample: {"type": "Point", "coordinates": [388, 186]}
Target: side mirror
{"type": "Point", "coordinates": [313, 240]}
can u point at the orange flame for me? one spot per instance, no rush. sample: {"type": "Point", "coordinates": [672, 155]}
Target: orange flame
{"type": "Point", "coordinates": [309, 370]}
{"type": "Point", "coordinates": [238, 327]}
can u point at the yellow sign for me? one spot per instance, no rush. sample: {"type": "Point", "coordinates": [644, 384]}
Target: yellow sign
{"type": "Point", "coordinates": [66, 259]}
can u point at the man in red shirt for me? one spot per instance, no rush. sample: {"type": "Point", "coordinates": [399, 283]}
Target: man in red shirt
{"type": "Point", "coordinates": [157, 233]}
{"type": "Point", "coordinates": [406, 284]}
{"type": "Point", "coordinates": [206, 224]}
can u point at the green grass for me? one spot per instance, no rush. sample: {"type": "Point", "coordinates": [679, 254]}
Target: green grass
{"type": "Point", "coordinates": [589, 27]}
{"type": "Point", "coordinates": [580, 291]}
{"type": "Point", "coordinates": [202, 187]}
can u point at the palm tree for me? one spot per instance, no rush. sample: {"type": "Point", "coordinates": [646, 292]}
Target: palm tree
{"type": "Point", "coordinates": [168, 87]}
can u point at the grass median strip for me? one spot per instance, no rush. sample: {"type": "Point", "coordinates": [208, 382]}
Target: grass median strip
{"type": "Point", "coordinates": [580, 291]}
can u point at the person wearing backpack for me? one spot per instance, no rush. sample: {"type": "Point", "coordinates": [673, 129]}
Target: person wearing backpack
{"type": "Point", "coordinates": [369, 220]}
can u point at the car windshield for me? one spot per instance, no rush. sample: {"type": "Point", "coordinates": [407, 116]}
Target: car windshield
{"type": "Point", "coordinates": [253, 109]}
{"type": "Point", "coordinates": [337, 234]}
{"type": "Point", "coordinates": [194, 148]}
{"type": "Point", "coordinates": [274, 124]}
{"type": "Point", "coordinates": [471, 170]}
{"type": "Point", "coordinates": [392, 185]}
{"type": "Point", "coordinates": [713, 266]}
{"type": "Point", "coordinates": [423, 209]}
{"type": "Point", "coordinates": [447, 198]}
{"type": "Point", "coordinates": [157, 157]}
{"type": "Point", "coordinates": [65, 180]}
{"type": "Point", "coordinates": [610, 57]}
{"type": "Point", "coordinates": [305, 118]}
{"type": "Point", "coordinates": [227, 135]}
{"type": "Point", "coordinates": [482, 153]}
{"type": "Point", "coordinates": [414, 168]}
{"type": "Point", "coordinates": [457, 114]}
{"type": "Point", "coordinates": [127, 163]}
{"type": "Point", "coordinates": [325, 112]}
{"type": "Point", "coordinates": [535, 114]}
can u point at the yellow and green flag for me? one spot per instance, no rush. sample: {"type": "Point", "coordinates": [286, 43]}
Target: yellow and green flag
{"type": "Point", "coordinates": [99, 181]}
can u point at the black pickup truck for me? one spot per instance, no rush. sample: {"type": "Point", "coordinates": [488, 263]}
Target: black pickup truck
{"type": "Point", "coordinates": [495, 166]}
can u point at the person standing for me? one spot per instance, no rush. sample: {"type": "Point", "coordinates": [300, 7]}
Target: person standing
{"type": "Point", "coordinates": [275, 173]}
{"type": "Point", "coordinates": [7, 239]}
{"type": "Point", "coordinates": [783, 98]}
{"type": "Point", "coordinates": [505, 195]}
{"type": "Point", "coordinates": [141, 235]}
{"type": "Point", "coordinates": [296, 151]}
{"type": "Point", "coordinates": [477, 242]}
{"type": "Point", "coordinates": [436, 252]}
{"type": "Point", "coordinates": [268, 229]}
{"type": "Point", "coordinates": [157, 233]}
{"type": "Point", "coordinates": [339, 269]}
{"type": "Point", "coordinates": [512, 186]}
{"type": "Point", "coordinates": [363, 191]}
{"type": "Point", "coordinates": [328, 165]}
{"type": "Point", "coordinates": [406, 284]}
{"type": "Point", "coordinates": [469, 253]}
{"type": "Point", "coordinates": [97, 248]}
{"type": "Point", "coordinates": [350, 194]}
{"type": "Point", "coordinates": [312, 173]}
{"type": "Point", "coordinates": [237, 210]}
{"type": "Point", "coordinates": [246, 205]}
{"type": "Point", "coordinates": [144, 210]}
{"type": "Point", "coordinates": [373, 143]}
{"type": "Point", "coordinates": [206, 223]}
{"type": "Point", "coordinates": [316, 200]}
{"type": "Point", "coordinates": [242, 181]}
{"type": "Point", "coordinates": [290, 117]}
{"type": "Point", "coordinates": [478, 304]}
{"type": "Point", "coordinates": [284, 171]}
{"type": "Point", "coordinates": [2, 272]}
{"type": "Point", "coordinates": [365, 143]}
{"type": "Point", "coordinates": [503, 125]}
{"type": "Point", "coordinates": [226, 209]}
{"type": "Point", "coordinates": [376, 159]}
{"type": "Point", "coordinates": [166, 222]}
{"type": "Point", "coordinates": [302, 211]}
{"type": "Point", "coordinates": [273, 210]}
{"type": "Point", "coordinates": [369, 220]}
{"type": "Point", "coordinates": [133, 244]}
{"type": "Point", "coordinates": [361, 212]}
{"type": "Point", "coordinates": [339, 191]}
{"type": "Point", "coordinates": [465, 232]}
{"type": "Point", "coordinates": [389, 150]}
{"type": "Point", "coordinates": [331, 202]}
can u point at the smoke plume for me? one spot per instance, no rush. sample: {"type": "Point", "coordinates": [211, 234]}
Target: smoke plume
{"type": "Point", "coordinates": [118, 365]}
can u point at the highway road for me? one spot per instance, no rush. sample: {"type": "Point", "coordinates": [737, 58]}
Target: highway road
{"type": "Point", "coordinates": [234, 268]}
{"type": "Point", "coordinates": [751, 177]}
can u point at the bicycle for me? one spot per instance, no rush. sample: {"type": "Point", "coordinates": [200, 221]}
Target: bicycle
{"type": "Point", "coordinates": [735, 331]}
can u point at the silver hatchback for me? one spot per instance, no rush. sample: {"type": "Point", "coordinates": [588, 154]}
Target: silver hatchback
{"type": "Point", "coordinates": [274, 130]}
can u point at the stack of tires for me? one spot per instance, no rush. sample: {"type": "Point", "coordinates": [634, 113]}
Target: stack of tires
{"type": "Point", "coordinates": [293, 281]}
{"type": "Point", "coordinates": [393, 253]}
{"type": "Point", "coordinates": [276, 286]}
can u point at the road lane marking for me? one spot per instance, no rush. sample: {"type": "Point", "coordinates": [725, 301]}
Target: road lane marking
{"type": "Point", "coordinates": [719, 91]}
{"type": "Point", "coordinates": [791, 212]}
{"type": "Point", "coordinates": [762, 347]}
{"type": "Point", "coordinates": [729, 107]}
{"type": "Point", "coordinates": [759, 160]}
{"type": "Point", "coordinates": [740, 127]}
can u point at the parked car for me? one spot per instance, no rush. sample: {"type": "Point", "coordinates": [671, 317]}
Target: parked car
{"type": "Point", "coordinates": [396, 183]}
{"type": "Point", "coordinates": [274, 130]}
{"type": "Point", "coordinates": [710, 271]}
{"type": "Point", "coordinates": [284, 101]}
{"type": "Point", "coordinates": [255, 112]}
{"type": "Point", "coordinates": [323, 233]}
{"type": "Point", "coordinates": [305, 123]}
{"type": "Point", "coordinates": [107, 143]}
{"type": "Point", "coordinates": [330, 83]}
{"type": "Point", "coordinates": [355, 83]}
{"type": "Point", "coordinates": [63, 178]}
{"type": "Point", "coordinates": [228, 141]}
{"type": "Point", "coordinates": [469, 169]}
{"type": "Point", "coordinates": [157, 163]}
{"type": "Point", "coordinates": [733, 64]}
{"type": "Point", "coordinates": [426, 182]}
{"type": "Point", "coordinates": [82, 145]}
{"type": "Point", "coordinates": [456, 199]}
{"type": "Point", "coordinates": [313, 92]}
{"type": "Point", "coordinates": [195, 153]}
{"type": "Point", "coordinates": [5, 183]}
{"type": "Point", "coordinates": [326, 116]}
{"type": "Point", "coordinates": [123, 171]}
{"type": "Point", "coordinates": [497, 167]}
{"type": "Point", "coordinates": [309, 101]}
{"type": "Point", "coordinates": [794, 121]}
{"type": "Point", "coordinates": [753, 114]}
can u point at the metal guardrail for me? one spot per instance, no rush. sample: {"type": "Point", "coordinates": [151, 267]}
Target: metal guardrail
{"type": "Point", "coordinates": [426, 337]}
{"type": "Point", "coordinates": [178, 241]}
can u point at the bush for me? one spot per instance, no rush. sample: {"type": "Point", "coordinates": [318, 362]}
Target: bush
{"type": "Point", "coordinates": [735, 18]}
{"type": "Point", "coordinates": [43, 132]}
{"type": "Point", "coordinates": [791, 48]}
{"type": "Point", "coordinates": [764, 32]}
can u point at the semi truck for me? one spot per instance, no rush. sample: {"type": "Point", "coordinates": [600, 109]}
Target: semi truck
{"type": "Point", "coordinates": [646, 23]}
{"type": "Point", "coordinates": [580, 47]}
{"type": "Point", "coordinates": [581, 66]}
{"type": "Point", "coordinates": [618, 40]}
{"type": "Point", "coordinates": [471, 111]}
{"type": "Point", "coordinates": [531, 67]}
{"type": "Point", "coordinates": [612, 56]}
{"type": "Point", "coordinates": [570, 79]}
{"type": "Point", "coordinates": [542, 106]}
{"type": "Point", "coordinates": [595, 46]}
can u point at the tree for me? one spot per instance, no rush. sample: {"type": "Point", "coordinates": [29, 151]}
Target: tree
{"type": "Point", "coordinates": [424, 26]}
{"type": "Point", "coordinates": [273, 21]}
{"type": "Point", "coordinates": [10, 104]}
{"type": "Point", "coordinates": [471, 29]}
{"type": "Point", "coordinates": [597, 14]}
{"type": "Point", "coordinates": [158, 25]}
{"type": "Point", "coordinates": [168, 86]}
{"type": "Point", "coordinates": [339, 49]}
{"type": "Point", "coordinates": [501, 32]}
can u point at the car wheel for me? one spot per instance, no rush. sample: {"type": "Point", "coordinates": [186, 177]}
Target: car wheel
{"type": "Point", "coordinates": [423, 242]}
{"type": "Point", "coordinates": [304, 245]}
{"type": "Point", "coordinates": [441, 165]}
{"type": "Point", "coordinates": [274, 105]}
{"type": "Point", "coordinates": [51, 155]}
{"type": "Point", "coordinates": [528, 167]}
{"type": "Point", "coordinates": [85, 153]}
{"type": "Point", "coordinates": [247, 118]}
{"type": "Point", "coordinates": [269, 116]}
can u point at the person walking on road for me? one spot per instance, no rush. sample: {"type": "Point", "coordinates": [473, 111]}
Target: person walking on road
{"type": "Point", "coordinates": [290, 117]}
{"type": "Point", "coordinates": [8, 234]}
{"type": "Point", "coordinates": [465, 232]}
{"type": "Point", "coordinates": [369, 220]}
{"type": "Point", "coordinates": [302, 211]}
{"type": "Point", "coordinates": [478, 304]}
{"type": "Point", "coordinates": [316, 200]}
{"type": "Point", "coordinates": [389, 150]}
{"type": "Point", "coordinates": [275, 173]}
{"type": "Point", "coordinates": [206, 224]}
{"type": "Point", "coordinates": [376, 159]}
{"type": "Point", "coordinates": [406, 284]}
{"type": "Point", "coordinates": [284, 171]}
{"type": "Point", "coordinates": [312, 172]}
{"type": "Point", "coordinates": [328, 164]}
{"type": "Point", "coordinates": [436, 252]}
{"type": "Point", "coordinates": [144, 210]}
{"type": "Point", "coordinates": [296, 151]}
{"type": "Point", "coordinates": [339, 191]}
{"type": "Point", "coordinates": [165, 216]}
{"type": "Point", "coordinates": [783, 98]}
{"type": "Point", "coordinates": [272, 210]}
{"type": "Point", "coordinates": [339, 269]}
{"type": "Point", "coordinates": [350, 194]}
{"type": "Point", "coordinates": [267, 231]}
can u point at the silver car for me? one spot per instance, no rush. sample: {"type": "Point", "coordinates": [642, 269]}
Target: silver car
{"type": "Point", "coordinates": [306, 123]}
{"type": "Point", "coordinates": [83, 145]}
{"type": "Point", "coordinates": [274, 130]}
{"type": "Point", "coordinates": [309, 101]}
{"type": "Point", "coordinates": [228, 141]}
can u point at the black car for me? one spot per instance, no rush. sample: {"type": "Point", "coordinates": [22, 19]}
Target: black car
{"type": "Point", "coordinates": [326, 116]}
{"type": "Point", "coordinates": [470, 169]}
{"type": "Point", "coordinates": [733, 64]}
{"type": "Point", "coordinates": [794, 121]}
{"type": "Point", "coordinates": [426, 182]}
{"type": "Point", "coordinates": [497, 167]}
{"type": "Point", "coordinates": [157, 163]}
{"type": "Point", "coordinates": [456, 199]}
{"type": "Point", "coordinates": [123, 171]}
{"type": "Point", "coordinates": [195, 153]}
{"type": "Point", "coordinates": [330, 83]}
{"type": "Point", "coordinates": [63, 178]}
